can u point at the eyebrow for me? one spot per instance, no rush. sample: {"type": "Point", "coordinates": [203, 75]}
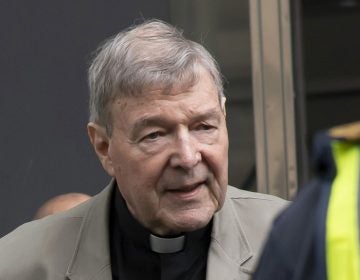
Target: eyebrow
{"type": "Point", "coordinates": [158, 120]}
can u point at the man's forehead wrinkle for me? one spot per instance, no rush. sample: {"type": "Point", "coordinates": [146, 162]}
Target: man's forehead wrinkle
{"type": "Point", "coordinates": [159, 119]}
{"type": "Point", "coordinates": [212, 113]}
{"type": "Point", "coordinates": [149, 120]}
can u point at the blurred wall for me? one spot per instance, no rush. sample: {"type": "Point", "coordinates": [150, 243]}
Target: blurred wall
{"type": "Point", "coordinates": [45, 51]}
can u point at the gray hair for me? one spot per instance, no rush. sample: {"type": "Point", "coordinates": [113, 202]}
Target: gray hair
{"type": "Point", "coordinates": [153, 53]}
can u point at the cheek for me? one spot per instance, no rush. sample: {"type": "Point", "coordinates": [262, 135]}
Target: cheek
{"type": "Point", "coordinates": [217, 160]}
{"type": "Point", "coordinates": [125, 160]}
{"type": "Point", "coordinates": [140, 172]}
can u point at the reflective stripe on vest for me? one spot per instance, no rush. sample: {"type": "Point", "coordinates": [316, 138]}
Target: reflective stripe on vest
{"type": "Point", "coordinates": [342, 228]}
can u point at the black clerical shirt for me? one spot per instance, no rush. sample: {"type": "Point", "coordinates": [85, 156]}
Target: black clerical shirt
{"type": "Point", "coordinates": [133, 259]}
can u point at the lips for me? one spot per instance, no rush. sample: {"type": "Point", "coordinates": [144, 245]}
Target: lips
{"type": "Point", "coordinates": [186, 187]}
{"type": "Point", "coordinates": [186, 191]}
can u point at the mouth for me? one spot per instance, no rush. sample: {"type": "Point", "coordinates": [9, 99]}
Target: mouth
{"type": "Point", "coordinates": [187, 191]}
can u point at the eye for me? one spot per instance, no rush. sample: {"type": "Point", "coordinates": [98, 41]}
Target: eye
{"type": "Point", "coordinates": [152, 136]}
{"type": "Point", "coordinates": [204, 126]}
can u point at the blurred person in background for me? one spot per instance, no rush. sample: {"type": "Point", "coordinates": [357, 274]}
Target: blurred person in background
{"type": "Point", "coordinates": [317, 236]}
{"type": "Point", "coordinates": [60, 203]}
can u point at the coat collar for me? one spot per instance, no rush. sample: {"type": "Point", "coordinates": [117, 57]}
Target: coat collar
{"type": "Point", "coordinates": [230, 253]}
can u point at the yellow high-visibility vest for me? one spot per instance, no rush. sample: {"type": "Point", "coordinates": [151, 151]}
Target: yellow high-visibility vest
{"type": "Point", "coordinates": [342, 222]}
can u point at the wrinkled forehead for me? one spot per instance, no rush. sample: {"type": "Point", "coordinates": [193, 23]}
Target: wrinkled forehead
{"type": "Point", "coordinates": [194, 85]}
{"type": "Point", "coordinates": [187, 84]}
{"type": "Point", "coordinates": [180, 87]}
{"type": "Point", "coordinates": [165, 81]}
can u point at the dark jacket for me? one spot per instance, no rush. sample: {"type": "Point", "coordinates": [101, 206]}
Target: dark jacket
{"type": "Point", "coordinates": [296, 246]}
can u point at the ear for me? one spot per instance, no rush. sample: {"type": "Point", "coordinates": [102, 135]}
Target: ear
{"type": "Point", "coordinates": [223, 101]}
{"type": "Point", "coordinates": [100, 141]}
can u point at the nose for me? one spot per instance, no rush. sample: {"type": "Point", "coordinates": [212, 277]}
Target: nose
{"type": "Point", "coordinates": [186, 153]}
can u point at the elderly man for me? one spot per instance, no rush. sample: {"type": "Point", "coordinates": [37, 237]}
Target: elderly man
{"type": "Point", "coordinates": [157, 124]}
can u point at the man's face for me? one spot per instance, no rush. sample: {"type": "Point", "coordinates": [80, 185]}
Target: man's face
{"type": "Point", "coordinates": [169, 155]}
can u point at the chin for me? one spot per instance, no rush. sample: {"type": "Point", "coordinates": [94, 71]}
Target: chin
{"type": "Point", "coordinates": [189, 223]}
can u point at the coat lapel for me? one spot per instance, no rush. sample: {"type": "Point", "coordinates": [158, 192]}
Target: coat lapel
{"type": "Point", "coordinates": [91, 259]}
{"type": "Point", "coordinates": [230, 254]}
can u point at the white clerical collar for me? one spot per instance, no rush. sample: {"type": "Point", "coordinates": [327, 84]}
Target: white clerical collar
{"type": "Point", "coordinates": [167, 245]}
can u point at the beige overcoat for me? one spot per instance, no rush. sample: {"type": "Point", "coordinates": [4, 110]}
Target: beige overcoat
{"type": "Point", "coordinates": [74, 245]}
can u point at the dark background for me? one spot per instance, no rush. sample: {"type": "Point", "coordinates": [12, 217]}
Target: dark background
{"type": "Point", "coordinates": [45, 51]}
{"type": "Point", "coordinates": [331, 45]}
